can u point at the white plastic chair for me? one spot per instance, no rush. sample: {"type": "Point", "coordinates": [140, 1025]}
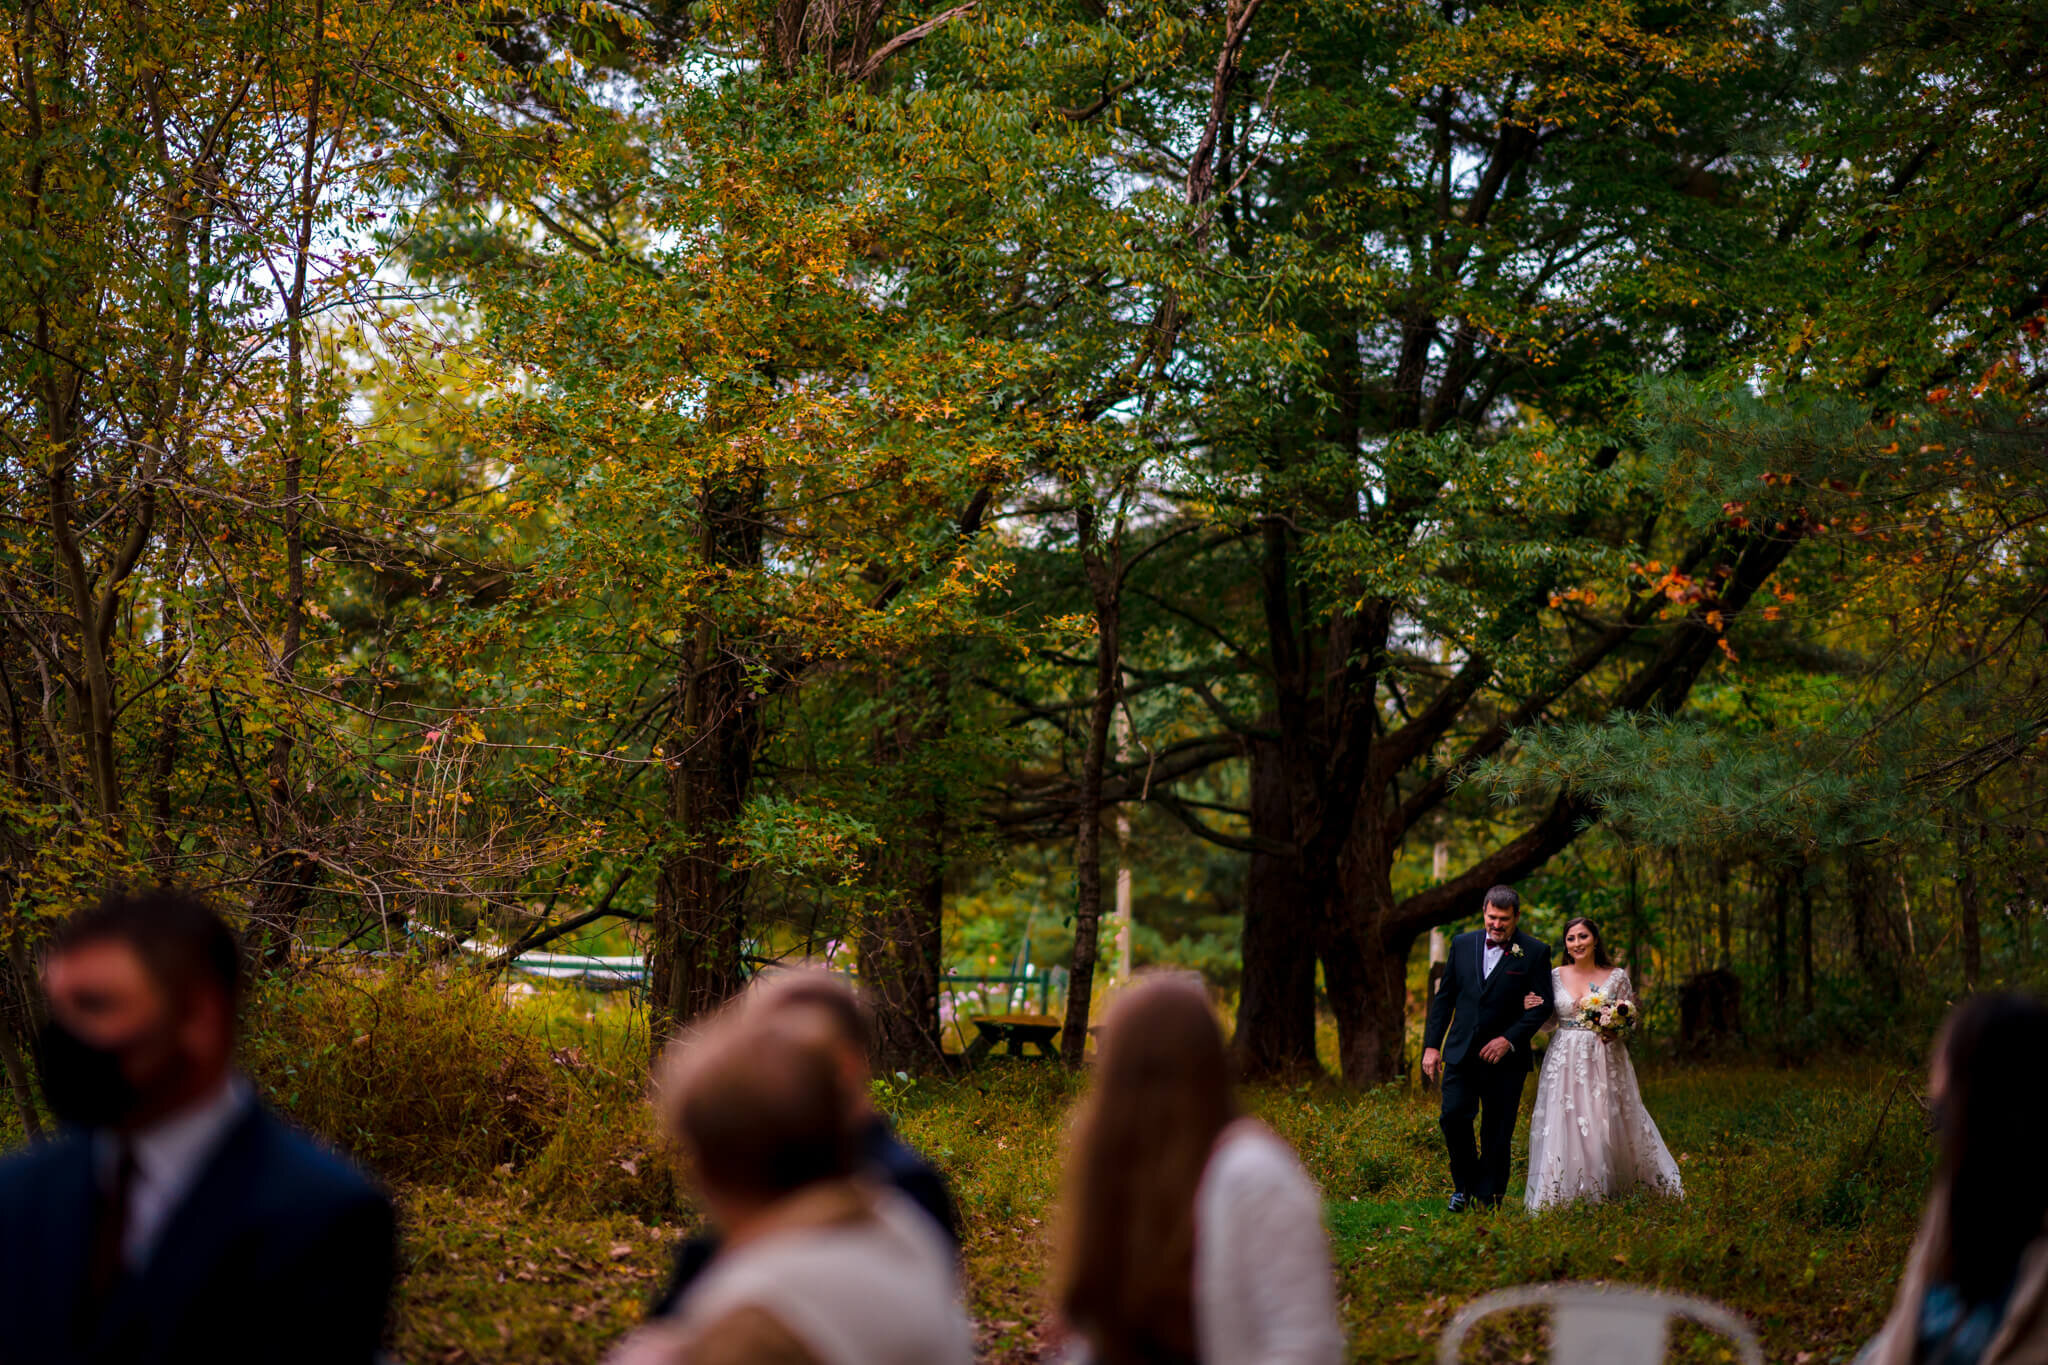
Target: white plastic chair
{"type": "Point", "coordinates": [1591, 1325]}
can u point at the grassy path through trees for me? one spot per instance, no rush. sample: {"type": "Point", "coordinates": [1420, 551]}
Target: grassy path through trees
{"type": "Point", "coordinates": [539, 1212]}
{"type": "Point", "coordinates": [1780, 1222]}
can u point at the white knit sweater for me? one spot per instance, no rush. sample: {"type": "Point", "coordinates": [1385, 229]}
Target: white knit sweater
{"type": "Point", "coordinates": [1263, 1288]}
{"type": "Point", "coordinates": [880, 1290]}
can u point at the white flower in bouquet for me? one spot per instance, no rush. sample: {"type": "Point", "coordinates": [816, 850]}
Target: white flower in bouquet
{"type": "Point", "coordinates": [1609, 1020]}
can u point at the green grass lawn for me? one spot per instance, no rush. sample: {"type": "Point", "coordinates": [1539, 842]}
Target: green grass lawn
{"type": "Point", "coordinates": [539, 1208]}
{"type": "Point", "coordinates": [1798, 1212]}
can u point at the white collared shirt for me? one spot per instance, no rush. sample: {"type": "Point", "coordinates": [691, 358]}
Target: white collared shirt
{"type": "Point", "coordinates": [169, 1155]}
{"type": "Point", "coordinates": [1490, 955]}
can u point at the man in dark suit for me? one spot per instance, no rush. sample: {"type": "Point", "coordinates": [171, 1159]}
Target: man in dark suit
{"type": "Point", "coordinates": [175, 1219]}
{"type": "Point", "coordinates": [1478, 1038]}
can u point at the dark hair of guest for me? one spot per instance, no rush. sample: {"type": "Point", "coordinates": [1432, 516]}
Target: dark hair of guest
{"type": "Point", "coordinates": [1600, 958]}
{"type": "Point", "coordinates": [1504, 897]}
{"type": "Point", "coordinates": [810, 988]}
{"type": "Point", "coordinates": [1992, 1113]}
{"type": "Point", "coordinates": [1162, 1096]}
{"type": "Point", "coordinates": [762, 1110]}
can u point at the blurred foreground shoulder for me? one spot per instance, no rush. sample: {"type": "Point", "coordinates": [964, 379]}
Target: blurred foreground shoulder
{"type": "Point", "coordinates": [1265, 1293]}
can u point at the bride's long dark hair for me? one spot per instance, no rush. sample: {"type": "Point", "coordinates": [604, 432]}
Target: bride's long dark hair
{"type": "Point", "coordinates": [1599, 944]}
{"type": "Point", "coordinates": [1992, 1109]}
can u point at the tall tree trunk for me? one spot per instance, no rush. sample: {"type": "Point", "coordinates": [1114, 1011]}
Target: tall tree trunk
{"type": "Point", "coordinates": [1365, 957]}
{"type": "Point", "coordinates": [1724, 917]}
{"type": "Point", "coordinates": [1970, 908]}
{"type": "Point", "coordinates": [902, 940]}
{"type": "Point", "coordinates": [1105, 575]}
{"type": "Point", "coordinates": [1969, 903]}
{"type": "Point", "coordinates": [1365, 964]}
{"type": "Point", "coordinates": [694, 961]}
{"type": "Point", "coordinates": [1781, 964]}
{"type": "Point", "coordinates": [95, 706]}
{"type": "Point", "coordinates": [903, 972]}
{"type": "Point", "coordinates": [286, 876]}
{"type": "Point", "coordinates": [1632, 892]}
{"type": "Point", "coordinates": [1805, 943]}
{"type": "Point", "coordinates": [18, 1021]}
{"type": "Point", "coordinates": [1105, 586]}
{"type": "Point", "coordinates": [1276, 1011]}
{"type": "Point", "coordinates": [700, 896]}
{"type": "Point", "coordinates": [164, 762]}
{"type": "Point", "coordinates": [1876, 957]}
{"type": "Point", "coordinates": [900, 967]}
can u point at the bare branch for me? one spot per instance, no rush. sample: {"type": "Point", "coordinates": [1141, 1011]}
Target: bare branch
{"type": "Point", "coordinates": [1202, 167]}
{"type": "Point", "coordinates": [910, 37]}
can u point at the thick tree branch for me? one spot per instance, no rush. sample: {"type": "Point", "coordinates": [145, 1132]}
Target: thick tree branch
{"type": "Point", "coordinates": [1237, 26]}
{"type": "Point", "coordinates": [1130, 782]}
{"type": "Point", "coordinates": [909, 38]}
{"type": "Point", "coordinates": [1206, 831]}
{"type": "Point", "coordinates": [1400, 748]}
{"type": "Point", "coordinates": [538, 936]}
{"type": "Point", "coordinates": [1450, 900]}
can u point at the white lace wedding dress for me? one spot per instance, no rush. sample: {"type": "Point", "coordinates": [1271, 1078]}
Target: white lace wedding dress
{"type": "Point", "coordinates": [1590, 1137]}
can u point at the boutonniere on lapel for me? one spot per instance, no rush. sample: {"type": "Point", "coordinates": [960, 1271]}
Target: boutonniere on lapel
{"type": "Point", "coordinates": [1514, 950]}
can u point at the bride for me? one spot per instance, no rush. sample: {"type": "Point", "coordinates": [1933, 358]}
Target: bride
{"type": "Point", "coordinates": [1590, 1137]}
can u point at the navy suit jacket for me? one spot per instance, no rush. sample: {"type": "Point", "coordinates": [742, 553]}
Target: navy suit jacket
{"type": "Point", "coordinates": [1471, 1009]}
{"type": "Point", "coordinates": [280, 1251]}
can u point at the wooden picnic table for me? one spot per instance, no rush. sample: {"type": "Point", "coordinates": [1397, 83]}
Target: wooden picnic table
{"type": "Point", "coordinates": [1015, 1032]}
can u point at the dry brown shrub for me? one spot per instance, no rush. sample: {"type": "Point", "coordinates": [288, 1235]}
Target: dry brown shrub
{"type": "Point", "coordinates": [420, 1075]}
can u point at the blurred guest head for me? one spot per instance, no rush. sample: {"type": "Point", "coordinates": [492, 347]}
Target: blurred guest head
{"type": "Point", "coordinates": [1162, 1096]}
{"type": "Point", "coordinates": [1991, 1111]}
{"type": "Point", "coordinates": [142, 991]}
{"type": "Point", "coordinates": [822, 1010]}
{"type": "Point", "coordinates": [808, 998]}
{"type": "Point", "coordinates": [761, 1108]}
{"type": "Point", "coordinates": [193, 1224]}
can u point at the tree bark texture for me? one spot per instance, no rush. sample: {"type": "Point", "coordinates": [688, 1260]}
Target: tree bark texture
{"type": "Point", "coordinates": [1876, 956]}
{"type": "Point", "coordinates": [18, 1022]}
{"type": "Point", "coordinates": [694, 959]}
{"type": "Point", "coordinates": [1276, 1014]}
{"type": "Point", "coordinates": [1969, 899]}
{"type": "Point", "coordinates": [1805, 943]}
{"type": "Point", "coordinates": [901, 950]}
{"type": "Point", "coordinates": [700, 896]}
{"type": "Point", "coordinates": [1781, 959]}
{"type": "Point", "coordinates": [1105, 574]}
{"type": "Point", "coordinates": [901, 939]}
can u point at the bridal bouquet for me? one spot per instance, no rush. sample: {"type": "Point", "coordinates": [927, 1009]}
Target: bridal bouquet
{"type": "Point", "coordinates": [1608, 1018]}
